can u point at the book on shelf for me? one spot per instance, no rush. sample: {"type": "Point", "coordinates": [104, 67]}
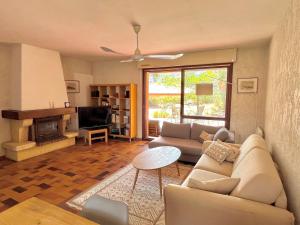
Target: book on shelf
{"type": "Point", "coordinates": [126, 119]}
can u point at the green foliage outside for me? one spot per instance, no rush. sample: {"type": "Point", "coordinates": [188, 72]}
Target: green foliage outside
{"type": "Point", "coordinates": [213, 105]}
{"type": "Point", "coordinates": [161, 114]}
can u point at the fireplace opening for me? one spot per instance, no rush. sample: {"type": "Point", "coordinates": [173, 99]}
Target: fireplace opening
{"type": "Point", "coordinates": [48, 129]}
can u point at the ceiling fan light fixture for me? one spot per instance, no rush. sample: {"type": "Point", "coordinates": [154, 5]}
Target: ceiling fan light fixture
{"type": "Point", "coordinates": [138, 56]}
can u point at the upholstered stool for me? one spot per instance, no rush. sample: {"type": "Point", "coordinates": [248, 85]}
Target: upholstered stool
{"type": "Point", "coordinates": [105, 211]}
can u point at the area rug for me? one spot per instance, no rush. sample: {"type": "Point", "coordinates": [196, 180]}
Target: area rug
{"type": "Point", "coordinates": [146, 206]}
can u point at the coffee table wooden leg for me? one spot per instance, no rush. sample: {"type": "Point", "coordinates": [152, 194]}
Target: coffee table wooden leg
{"type": "Point", "coordinates": [135, 179]}
{"type": "Point", "coordinates": [90, 138]}
{"type": "Point", "coordinates": [177, 166]}
{"type": "Point", "coordinates": [160, 182]}
{"type": "Point", "coordinates": [106, 137]}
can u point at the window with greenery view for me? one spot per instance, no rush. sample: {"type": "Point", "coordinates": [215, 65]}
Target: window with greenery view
{"type": "Point", "coordinates": [205, 105]}
{"type": "Point", "coordinates": [172, 95]}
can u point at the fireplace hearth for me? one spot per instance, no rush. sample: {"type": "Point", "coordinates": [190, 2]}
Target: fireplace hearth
{"type": "Point", "coordinates": [47, 129]}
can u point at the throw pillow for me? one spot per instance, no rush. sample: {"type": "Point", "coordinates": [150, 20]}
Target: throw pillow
{"type": "Point", "coordinates": [204, 136]}
{"type": "Point", "coordinates": [222, 134]}
{"type": "Point", "coordinates": [233, 151]}
{"type": "Point", "coordinates": [217, 151]}
{"type": "Point", "coordinates": [221, 185]}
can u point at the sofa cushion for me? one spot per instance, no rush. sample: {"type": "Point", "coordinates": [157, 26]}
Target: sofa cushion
{"type": "Point", "coordinates": [209, 164]}
{"type": "Point", "coordinates": [187, 146]}
{"type": "Point", "coordinates": [198, 128]}
{"type": "Point", "coordinates": [202, 175]}
{"type": "Point", "coordinates": [206, 136]}
{"type": "Point", "coordinates": [176, 130]}
{"type": "Point", "coordinates": [217, 151]}
{"type": "Point", "coordinates": [253, 141]}
{"type": "Point", "coordinates": [222, 134]}
{"type": "Point", "coordinates": [234, 151]}
{"type": "Point", "coordinates": [221, 185]}
{"type": "Point", "coordinates": [259, 179]}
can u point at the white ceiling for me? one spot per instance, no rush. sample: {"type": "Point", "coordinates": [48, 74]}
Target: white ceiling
{"type": "Point", "coordinates": [79, 27]}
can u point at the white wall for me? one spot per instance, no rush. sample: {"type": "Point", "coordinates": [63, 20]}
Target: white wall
{"type": "Point", "coordinates": [5, 69]}
{"type": "Point", "coordinates": [42, 79]}
{"type": "Point", "coordinates": [36, 78]}
{"type": "Point", "coordinates": [15, 77]}
{"type": "Point", "coordinates": [247, 109]}
{"type": "Point", "coordinates": [81, 70]}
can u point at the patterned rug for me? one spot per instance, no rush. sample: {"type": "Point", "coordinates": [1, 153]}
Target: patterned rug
{"type": "Point", "coordinates": [146, 207]}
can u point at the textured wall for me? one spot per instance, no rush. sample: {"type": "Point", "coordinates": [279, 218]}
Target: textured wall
{"type": "Point", "coordinates": [5, 66]}
{"type": "Point", "coordinates": [282, 116]}
{"type": "Point", "coordinates": [247, 109]}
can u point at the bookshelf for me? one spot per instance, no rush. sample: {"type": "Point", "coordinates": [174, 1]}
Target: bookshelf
{"type": "Point", "coordinates": [122, 98]}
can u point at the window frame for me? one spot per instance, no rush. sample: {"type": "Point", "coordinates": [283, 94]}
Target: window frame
{"type": "Point", "coordinates": [182, 70]}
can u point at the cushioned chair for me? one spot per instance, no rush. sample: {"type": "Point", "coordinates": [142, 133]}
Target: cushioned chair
{"type": "Point", "coordinates": [105, 211]}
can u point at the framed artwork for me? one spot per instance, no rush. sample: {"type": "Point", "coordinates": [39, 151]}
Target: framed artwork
{"type": "Point", "coordinates": [73, 86]}
{"type": "Point", "coordinates": [247, 85]}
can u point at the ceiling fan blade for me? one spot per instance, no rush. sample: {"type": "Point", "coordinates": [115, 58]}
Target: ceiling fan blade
{"type": "Point", "coordinates": [127, 60]}
{"type": "Point", "coordinates": [110, 50]}
{"type": "Point", "coordinates": [134, 59]}
{"type": "Point", "coordinates": [167, 57]}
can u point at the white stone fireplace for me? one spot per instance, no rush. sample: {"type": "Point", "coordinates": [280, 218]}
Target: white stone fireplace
{"type": "Point", "coordinates": [35, 132]}
{"type": "Point", "coordinates": [36, 115]}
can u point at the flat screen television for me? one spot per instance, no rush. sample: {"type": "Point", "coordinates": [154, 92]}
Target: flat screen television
{"type": "Point", "coordinates": [92, 117]}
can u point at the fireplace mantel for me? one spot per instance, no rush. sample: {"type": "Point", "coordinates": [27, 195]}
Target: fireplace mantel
{"type": "Point", "coordinates": [39, 113]}
{"type": "Point", "coordinates": [24, 143]}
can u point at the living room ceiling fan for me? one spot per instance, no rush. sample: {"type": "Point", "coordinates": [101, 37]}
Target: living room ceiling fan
{"type": "Point", "coordinates": [138, 56]}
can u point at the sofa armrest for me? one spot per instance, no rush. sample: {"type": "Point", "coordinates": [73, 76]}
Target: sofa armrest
{"type": "Point", "coordinates": [191, 206]}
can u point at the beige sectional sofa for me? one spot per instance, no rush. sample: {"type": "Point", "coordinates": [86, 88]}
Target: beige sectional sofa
{"type": "Point", "coordinates": [186, 138]}
{"type": "Point", "coordinates": [258, 199]}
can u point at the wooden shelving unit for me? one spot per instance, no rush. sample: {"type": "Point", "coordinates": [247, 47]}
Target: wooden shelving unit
{"type": "Point", "coordinates": [122, 98]}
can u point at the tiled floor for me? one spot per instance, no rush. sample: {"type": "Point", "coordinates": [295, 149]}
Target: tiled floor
{"type": "Point", "coordinates": [58, 176]}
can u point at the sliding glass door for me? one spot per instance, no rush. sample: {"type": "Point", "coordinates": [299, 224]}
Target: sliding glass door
{"type": "Point", "coordinates": [200, 94]}
{"type": "Point", "coordinates": [163, 99]}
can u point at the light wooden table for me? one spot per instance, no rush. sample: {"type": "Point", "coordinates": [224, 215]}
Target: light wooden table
{"type": "Point", "coordinates": [156, 159]}
{"type": "Point", "coordinates": [38, 212]}
{"type": "Point", "coordinates": [90, 133]}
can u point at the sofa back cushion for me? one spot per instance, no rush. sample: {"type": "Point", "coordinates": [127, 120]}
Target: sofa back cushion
{"type": "Point", "coordinates": [198, 128]}
{"type": "Point", "coordinates": [176, 130]}
{"type": "Point", "coordinates": [252, 142]}
{"type": "Point", "coordinates": [259, 179]}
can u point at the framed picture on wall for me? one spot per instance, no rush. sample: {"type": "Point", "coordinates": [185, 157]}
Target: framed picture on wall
{"type": "Point", "coordinates": [73, 86]}
{"type": "Point", "coordinates": [247, 85]}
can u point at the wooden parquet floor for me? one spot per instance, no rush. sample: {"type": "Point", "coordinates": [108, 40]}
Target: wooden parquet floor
{"type": "Point", "coordinates": [58, 176]}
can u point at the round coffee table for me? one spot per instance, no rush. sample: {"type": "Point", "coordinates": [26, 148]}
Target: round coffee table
{"type": "Point", "coordinates": [156, 159]}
